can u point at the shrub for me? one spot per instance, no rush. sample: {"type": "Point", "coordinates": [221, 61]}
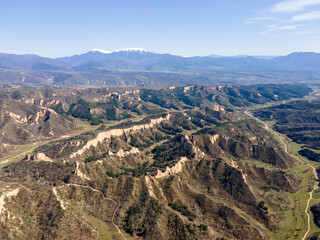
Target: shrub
{"type": "Point", "coordinates": [263, 206]}
{"type": "Point", "coordinates": [90, 159]}
{"type": "Point", "coordinates": [203, 227]}
{"type": "Point", "coordinates": [183, 209]}
{"type": "Point", "coordinates": [128, 221]}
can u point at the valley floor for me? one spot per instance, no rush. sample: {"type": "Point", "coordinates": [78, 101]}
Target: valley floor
{"type": "Point", "coordinates": [309, 227]}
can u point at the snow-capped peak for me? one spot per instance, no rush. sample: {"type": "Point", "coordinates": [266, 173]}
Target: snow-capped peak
{"type": "Point", "coordinates": [100, 50]}
{"type": "Point", "coordinates": [141, 50]}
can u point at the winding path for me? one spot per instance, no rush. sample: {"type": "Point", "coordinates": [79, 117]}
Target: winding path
{"type": "Point", "coordinates": [308, 203]}
{"type": "Point", "coordinates": [39, 143]}
{"type": "Point", "coordinates": [35, 145]}
{"type": "Point", "coordinates": [313, 170]}
{"type": "Point", "coordinates": [110, 199]}
{"type": "Point", "coordinates": [267, 127]}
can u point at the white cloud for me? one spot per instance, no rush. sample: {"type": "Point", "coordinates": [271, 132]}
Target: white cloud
{"type": "Point", "coordinates": [286, 18]}
{"type": "Point", "coordinates": [300, 33]}
{"type": "Point", "coordinates": [260, 19]}
{"type": "Point", "coordinates": [293, 5]}
{"type": "Point", "coordinates": [283, 27]}
{"type": "Point", "coordinates": [314, 15]}
{"type": "Point", "coordinates": [280, 28]}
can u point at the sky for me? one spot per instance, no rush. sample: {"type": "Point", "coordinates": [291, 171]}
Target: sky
{"type": "Point", "coordinates": [55, 28]}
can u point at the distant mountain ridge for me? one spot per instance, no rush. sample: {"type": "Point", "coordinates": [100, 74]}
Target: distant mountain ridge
{"type": "Point", "coordinates": [242, 56]}
{"type": "Point", "coordinates": [142, 59]}
{"type": "Point", "coordinates": [140, 66]}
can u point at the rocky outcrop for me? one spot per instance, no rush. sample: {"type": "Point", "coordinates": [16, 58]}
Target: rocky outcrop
{"type": "Point", "coordinates": [21, 123]}
{"type": "Point", "coordinates": [122, 153]}
{"type": "Point", "coordinates": [102, 136]}
{"type": "Point", "coordinates": [38, 157]}
{"type": "Point", "coordinates": [79, 173]}
{"type": "Point", "coordinates": [32, 119]}
{"type": "Point", "coordinates": [172, 170]}
{"type": "Point", "coordinates": [14, 116]}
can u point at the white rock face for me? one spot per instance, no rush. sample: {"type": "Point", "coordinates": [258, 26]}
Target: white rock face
{"type": "Point", "coordinates": [118, 132]}
{"type": "Point", "coordinates": [173, 170]}
{"type": "Point", "coordinates": [188, 88]}
{"type": "Point", "coordinates": [198, 153]}
{"type": "Point", "coordinates": [218, 108]}
{"type": "Point", "coordinates": [214, 138]}
{"type": "Point", "coordinates": [79, 173]}
{"type": "Point", "coordinates": [154, 187]}
{"type": "Point", "coordinates": [42, 157]}
{"type": "Point", "coordinates": [150, 187]}
{"type": "Point", "coordinates": [235, 165]}
{"type": "Point", "coordinates": [39, 157]}
{"type": "Point", "coordinates": [122, 153]}
{"type": "Point", "coordinates": [54, 190]}
{"type": "Point", "coordinates": [35, 119]}
{"type": "Point", "coordinates": [45, 103]}
{"type": "Point", "coordinates": [15, 117]}
{"type": "Point", "coordinates": [32, 119]}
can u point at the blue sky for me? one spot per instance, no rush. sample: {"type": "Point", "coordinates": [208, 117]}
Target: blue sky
{"type": "Point", "coordinates": [184, 27]}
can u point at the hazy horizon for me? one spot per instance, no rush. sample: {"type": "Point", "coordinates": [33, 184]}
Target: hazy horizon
{"type": "Point", "coordinates": [207, 55]}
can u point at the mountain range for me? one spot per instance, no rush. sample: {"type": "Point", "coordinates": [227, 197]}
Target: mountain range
{"type": "Point", "coordinates": [100, 67]}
